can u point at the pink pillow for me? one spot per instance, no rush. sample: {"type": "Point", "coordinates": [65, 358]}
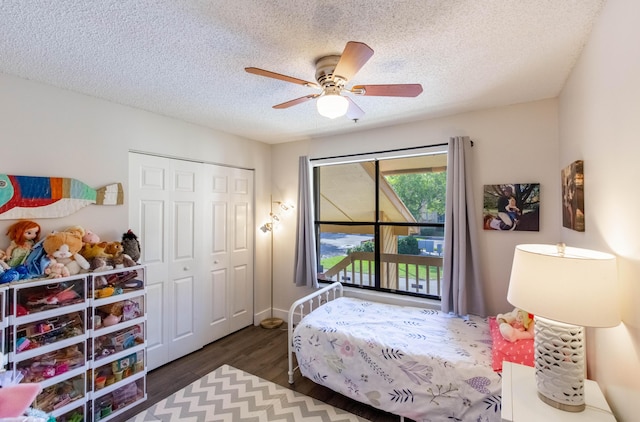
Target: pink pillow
{"type": "Point", "coordinates": [15, 399]}
{"type": "Point", "coordinates": [502, 350]}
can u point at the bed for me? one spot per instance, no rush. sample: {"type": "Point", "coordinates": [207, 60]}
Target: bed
{"type": "Point", "coordinates": [412, 362]}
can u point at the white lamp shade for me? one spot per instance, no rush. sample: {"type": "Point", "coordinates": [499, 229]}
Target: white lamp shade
{"type": "Point", "coordinates": [579, 287]}
{"type": "Point", "coordinates": [332, 105]}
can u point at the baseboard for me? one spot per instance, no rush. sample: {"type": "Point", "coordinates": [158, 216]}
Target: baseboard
{"type": "Point", "coordinates": [277, 313]}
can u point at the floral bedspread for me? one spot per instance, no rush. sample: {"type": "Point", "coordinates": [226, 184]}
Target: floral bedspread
{"type": "Point", "coordinates": [413, 362]}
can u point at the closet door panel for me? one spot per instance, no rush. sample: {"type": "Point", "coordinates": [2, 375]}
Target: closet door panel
{"type": "Point", "coordinates": [183, 326]}
{"type": "Point", "coordinates": [240, 291]}
{"type": "Point", "coordinates": [187, 280]}
{"type": "Point", "coordinates": [241, 254]}
{"type": "Point", "coordinates": [218, 324]}
{"type": "Point", "coordinates": [155, 296]}
{"type": "Point", "coordinates": [183, 248]}
{"type": "Point", "coordinates": [149, 202]}
{"type": "Point", "coordinates": [152, 215]}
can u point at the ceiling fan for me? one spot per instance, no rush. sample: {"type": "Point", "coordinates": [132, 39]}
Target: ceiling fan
{"type": "Point", "coordinates": [332, 75]}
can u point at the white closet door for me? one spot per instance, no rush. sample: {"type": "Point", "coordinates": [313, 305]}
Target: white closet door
{"type": "Point", "coordinates": [241, 248]}
{"type": "Point", "coordinates": [185, 243]}
{"type": "Point", "coordinates": [149, 204]}
{"type": "Point", "coordinates": [229, 250]}
{"type": "Point", "coordinates": [195, 226]}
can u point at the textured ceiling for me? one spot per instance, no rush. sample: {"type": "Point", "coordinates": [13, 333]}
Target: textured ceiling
{"type": "Point", "coordinates": [186, 58]}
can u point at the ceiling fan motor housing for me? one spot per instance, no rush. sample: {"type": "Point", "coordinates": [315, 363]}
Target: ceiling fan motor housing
{"type": "Point", "coordinates": [325, 66]}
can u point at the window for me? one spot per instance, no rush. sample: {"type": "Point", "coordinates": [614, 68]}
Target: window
{"type": "Point", "coordinates": [380, 223]}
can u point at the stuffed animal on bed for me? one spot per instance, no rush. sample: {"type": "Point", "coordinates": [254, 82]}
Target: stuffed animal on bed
{"type": "Point", "coordinates": [516, 325]}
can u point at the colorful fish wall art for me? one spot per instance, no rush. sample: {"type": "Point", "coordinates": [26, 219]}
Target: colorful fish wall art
{"type": "Point", "coordinates": [51, 197]}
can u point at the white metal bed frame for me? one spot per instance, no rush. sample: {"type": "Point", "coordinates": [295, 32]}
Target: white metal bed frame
{"type": "Point", "coordinates": [319, 298]}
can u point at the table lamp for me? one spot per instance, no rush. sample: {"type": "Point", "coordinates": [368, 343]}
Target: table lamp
{"type": "Point", "coordinates": [566, 289]}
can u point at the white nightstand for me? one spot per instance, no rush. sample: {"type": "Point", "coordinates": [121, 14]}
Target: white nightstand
{"type": "Point", "coordinates": [520, 402]}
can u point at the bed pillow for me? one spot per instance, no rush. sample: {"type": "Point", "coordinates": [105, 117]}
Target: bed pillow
{"type": "Point", "coordinates": [502, 350]}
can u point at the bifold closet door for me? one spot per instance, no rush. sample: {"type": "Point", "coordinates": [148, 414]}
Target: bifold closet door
{"type": "Point", "coordinates": [176, 210]}
{"type": "Point", "coordinates": [229, 250]}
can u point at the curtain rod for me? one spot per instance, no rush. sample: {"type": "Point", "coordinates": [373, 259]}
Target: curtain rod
{"type": "Point", "coordinates": [381, 152]}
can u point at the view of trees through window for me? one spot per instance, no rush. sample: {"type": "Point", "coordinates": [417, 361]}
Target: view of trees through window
{"type": "Point", "coordinates": [422, 193]}
{"type": "Point", "coordinates": [400, 249]}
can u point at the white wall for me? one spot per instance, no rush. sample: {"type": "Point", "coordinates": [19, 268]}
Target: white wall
{"type": "Point", "coordinates": [512, 144]}
{"type": "Point", "coordinates": [46, 131]}
{"type": "Point", "coordinates": [600, 124]}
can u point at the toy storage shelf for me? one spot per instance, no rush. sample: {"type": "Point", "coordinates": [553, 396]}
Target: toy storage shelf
{"type": "Point", "coordinates": [118, 338]}
{"type": "Point", "coordinates": [70, 333]}
{"type": "Point", "coordinates": [3, 325]}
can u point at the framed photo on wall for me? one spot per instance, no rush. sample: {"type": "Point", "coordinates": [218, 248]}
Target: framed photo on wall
{"type": "Point", "coordinates": [573, 196]}
{"type": "Point", "coordinates": [512, 206]}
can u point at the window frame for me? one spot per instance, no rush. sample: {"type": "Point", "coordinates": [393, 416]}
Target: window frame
{"type": "Point", "coordinates": [377, 224]}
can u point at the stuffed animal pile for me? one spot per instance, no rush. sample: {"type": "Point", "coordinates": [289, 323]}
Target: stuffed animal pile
{"type": "Point", "coordinates": [516, 325]}
{"type": "Point", "coordinates": [71, 251]}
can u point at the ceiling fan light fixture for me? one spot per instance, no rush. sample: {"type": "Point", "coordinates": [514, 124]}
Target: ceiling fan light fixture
{"type": "Point", "coordinates": [332, 105]}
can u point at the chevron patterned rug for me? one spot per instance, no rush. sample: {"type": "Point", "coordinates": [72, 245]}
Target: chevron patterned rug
{"type": "Point", "coordinates": [229, 394]}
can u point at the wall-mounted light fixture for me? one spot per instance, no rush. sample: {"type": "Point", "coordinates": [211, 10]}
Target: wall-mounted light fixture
{"type": "Point", "coordinates": [269, 227]}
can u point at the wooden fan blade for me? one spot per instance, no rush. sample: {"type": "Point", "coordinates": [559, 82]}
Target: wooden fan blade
{"type": "Point", "coordinates": [353, 112]}
{"type": "Point", "coordinates": [296, 101]}
{"type": "Point", "coordinates": [354, 56]}
{"type": "Point", "coordinates": [399, 90]}
{"type": "Point", "coordinates": [274, 75]}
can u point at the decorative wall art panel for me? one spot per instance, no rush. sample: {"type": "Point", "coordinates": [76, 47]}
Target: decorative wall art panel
{"type": "Point", "coordinates": [514, 206]}
{"type": "Point", "coordinates": [51, 197]}
{"type": "Point", "coordinates": [573, 196]}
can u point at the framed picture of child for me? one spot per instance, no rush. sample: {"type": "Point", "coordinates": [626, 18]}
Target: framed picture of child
{"type": "Point", "coordinates": [573, 196]}
{"type": "Point", "coordinates": [512, 207]}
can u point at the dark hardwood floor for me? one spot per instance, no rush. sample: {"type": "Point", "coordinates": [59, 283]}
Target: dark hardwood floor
{"type": "Point", "coordinates": [256, 350]}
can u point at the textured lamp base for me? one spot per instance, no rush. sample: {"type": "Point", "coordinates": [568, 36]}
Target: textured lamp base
{"type": "Point", "coordinates": [271, 323]}
{"type": "Point", "coordinates": [560, 364]}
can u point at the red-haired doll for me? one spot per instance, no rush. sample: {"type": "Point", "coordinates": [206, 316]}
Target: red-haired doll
{"type": "Point", "coordinates": [23, 234]}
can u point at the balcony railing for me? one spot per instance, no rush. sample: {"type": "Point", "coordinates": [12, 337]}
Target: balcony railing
{"type": "Point", "coordinates": [417, 274]}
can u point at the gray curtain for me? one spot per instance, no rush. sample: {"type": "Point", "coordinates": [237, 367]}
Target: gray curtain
{"type": "Point", "coordinates": [462, 288]}
{"type": "Point", "coordinates": [305, 272]}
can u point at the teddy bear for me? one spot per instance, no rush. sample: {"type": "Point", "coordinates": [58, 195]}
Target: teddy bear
{"type": "Point", "coordinates": [56, 269]}
{"type": "Point", "coordinates": [516, 325]}
{"type": "Point", "coordinates": [65, 247]}
{"type": "Point", "coordinates": [117, 257]}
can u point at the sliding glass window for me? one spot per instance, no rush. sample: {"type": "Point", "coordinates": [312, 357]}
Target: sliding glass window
{"type": "Point", "coordinates": [380, 223]}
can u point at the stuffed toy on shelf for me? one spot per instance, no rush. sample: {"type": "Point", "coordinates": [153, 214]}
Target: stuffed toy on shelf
{"type": "Point", "coordinates": [65, 247]}
{"type": "Point", "coordinates": [3, 265]}
{"type": "Point", "coordinates": [24, 234]}
{"type": "Point", "coordinates": [131, 245]}
{"type": "Point", "coordinates": [117, 257]}
{"type": "Point", "coordinates": [56, 269]}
